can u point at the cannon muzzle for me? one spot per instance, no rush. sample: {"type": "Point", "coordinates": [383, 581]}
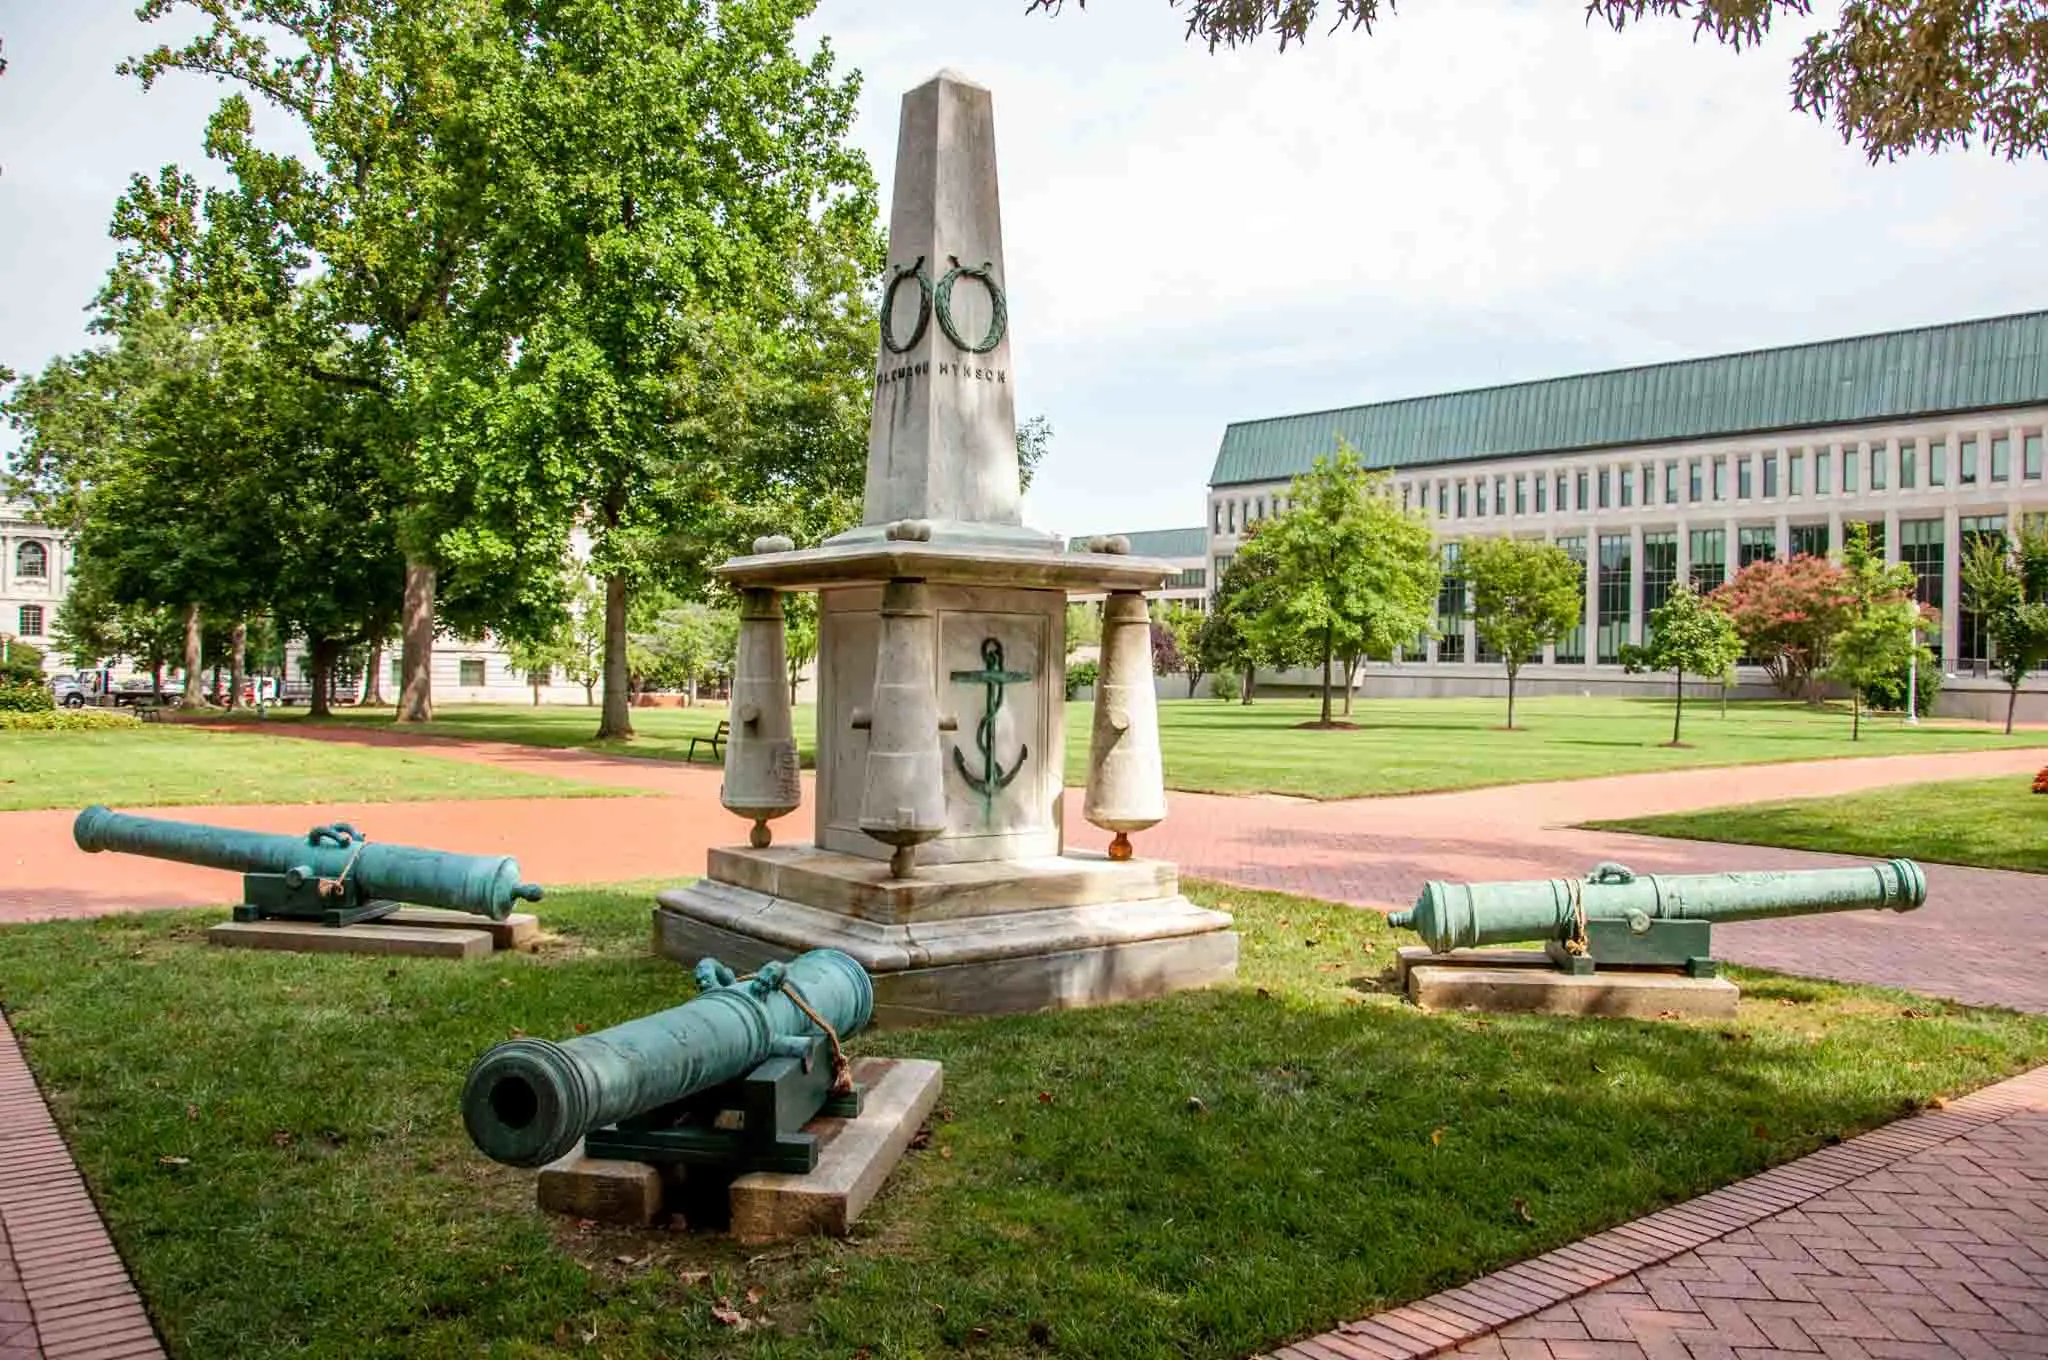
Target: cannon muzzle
{"type": "Point", "coordinates": [528, 1101]}
{"type": "Point", "coordinates": [335, 862]}
{"type": "Point", "coordinates": [1463, 915]}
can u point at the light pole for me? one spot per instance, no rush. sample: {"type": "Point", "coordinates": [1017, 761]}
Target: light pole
{"type": "Point", "coordinates": [1913, 681]}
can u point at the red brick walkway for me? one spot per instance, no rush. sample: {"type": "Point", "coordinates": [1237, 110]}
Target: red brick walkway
{"type": "Point", "coordinates": [1928, 1238]}
{"type": "Point", "coordinates": [64, 1294]}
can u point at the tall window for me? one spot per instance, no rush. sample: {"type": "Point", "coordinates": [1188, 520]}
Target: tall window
{"type": "Point", "coordinates": [1692, 474]}
{"type": "Point", "coordinates": [1500, 495]}
{"type": "Point", "coordinates": [1612, 592]}
{"type": "Point", "coordinates": [1479, 496]}
{"type": "Point", "coordinates": [1770, 476]}
{"type": "Point", "coordinates": [1542, 494]}
{"type": "Point", "coordinates": [1745, 481]}
{"type": "Point", "coordinates": [1909, 474]}
{"type": "Point", "coordinates": [1921, 544]}
{"type": "Point", "coordinates": [1795, 474]}
{"type": "Point", "coordinates": [1562, 489]}
{"type": "Point", "coordinates": [1405, 490]}
{"type": "Point", "coordinates": [32, 562]}
{"type": "Point", "coordinates": [1660, 571]}
{"type": "Point", "coordinates": [1756, 543]}
{"type": "Point", "coordinates": [1628, 487]}
{"type": "Point", "coordinates": [1450, 607]}
{"type": "Point", "coordinates": [1877, 467]}
{"type": "Point", "coordinates": [470, 671]}
{"type": "Point", "coordinates": [1720, 479]}
{"type": "Point", "coordinates": [1464, 499]}
{"type": "Point", "coordinates": [1709, 558]}
{"type": "Point", "coordinates": [1670, 484]}
{"type": "Point", "coordinates": [1582, 502]}
{"type": "Point", "coordinates": [1821, 484]}
{"type": "Point", "coordinates": [1216, 522]}
{"type": "Point", "coordinates": [1443, 500]}
{"type": "Point", "coordinates": [31, 621]}
{"type": "Point", "coordinates": [1571, 648]}
{"type": "Point", "coordinates": [1848, 468]}
{"type": "Point", "coordinates": [1966, 462]}
{"type": "Point", "coordinates": [1973, 645]}
{"type": "Point", "coordinates": [1522, 495]}
{"type": "Point", "coordinates": [2001, 458]}
{"type": "Point", "coordinates": [1808, 540]}
{"type": "Point", "coordinates": [2031, 458]}
{"type": "Point", "coordinates": [1260, 512]}
{"type": "Point", "coordinates": [1937, 462]}
{"type": "Point", "coordinates": [1606, 476]}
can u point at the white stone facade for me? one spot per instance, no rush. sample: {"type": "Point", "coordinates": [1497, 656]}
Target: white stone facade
{"type": "Point", "coordinates": [1643, 517]}
{"type": "Point", "coordinates": [35, 575]}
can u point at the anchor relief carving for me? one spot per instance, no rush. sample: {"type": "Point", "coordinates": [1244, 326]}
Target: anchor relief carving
{"type": "Point", "coordinates": [992, 677]}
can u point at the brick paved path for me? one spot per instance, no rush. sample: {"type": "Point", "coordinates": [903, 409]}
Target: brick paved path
{"type": "Point", "coordinates": [1983, 938]}
{"type": "Point", "coordinates": [1928, 1238]}
{"type": "Point", "coordinates": [64, 1294]}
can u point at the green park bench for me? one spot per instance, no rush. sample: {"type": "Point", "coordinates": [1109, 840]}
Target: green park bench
{"type": "Point", "coordinates": [716, 741]}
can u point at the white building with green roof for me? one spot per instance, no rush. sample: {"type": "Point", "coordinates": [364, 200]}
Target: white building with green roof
{"type": "Point", "coordinates": [1187, 549]}
{"type": "Point", "coordinates": [1691, 470]}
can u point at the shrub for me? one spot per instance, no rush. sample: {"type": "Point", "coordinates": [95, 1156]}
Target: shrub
{"type": "Point", "coordinates": [24, 663]}
{"type": "Point", "coordinates": [25, 696]}
{"type": "Point", "coordinates": [66, 720]}
{"type": "Point", "coordinates": [1889, 694]}
{"type": "Point", "coordinates": [1080, 675]}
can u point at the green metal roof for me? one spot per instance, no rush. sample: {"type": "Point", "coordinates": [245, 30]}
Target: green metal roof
{"type": "Point", "coordinates": [1962, 366]}
{"type": "Point", "coordinates": [1157, 542]}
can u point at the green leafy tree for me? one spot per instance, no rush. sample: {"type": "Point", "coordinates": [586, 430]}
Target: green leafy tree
{"type": "Point", "coordinates": [685, 644]}
{"type": "Point", "coordinates": [1184, 624]}
{"type": "Point", "coordinates": [1525, 596]}
{"type": "Point", "coordinates": [1228, 643]}
{"type": "Point", "coordinates": [1877, 638]}
{"type": "Point", "coordinates": [1084, 625]}
{"type": "Point", "coordinates": [2006, 582]}
{"type": "Point", "coordinates": [1034, 438]}
{"type": "Point", "coordinates": [1916, 74]}
{"type": "Point", "coordinates": [1690, 634]}
{"type": "Point", "coordinates": [800, 640]}
{"type": "Point", "coordinates": [1352, 572]}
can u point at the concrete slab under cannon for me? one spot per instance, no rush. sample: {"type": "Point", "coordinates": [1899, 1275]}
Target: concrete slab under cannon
{"type": "Point", "coordinates": [1525, 980]}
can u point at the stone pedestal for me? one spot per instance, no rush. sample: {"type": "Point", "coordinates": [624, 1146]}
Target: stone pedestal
{"type": "Point", "coordinates": [1525, 980]}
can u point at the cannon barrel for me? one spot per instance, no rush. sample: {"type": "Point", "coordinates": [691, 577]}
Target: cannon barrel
{"type": "Point", "coordinates": [528, 1101]}
{"type": "Point", "coordinates": [482, 885]}
{"type": "Point", "coordinates": [1464, 915]}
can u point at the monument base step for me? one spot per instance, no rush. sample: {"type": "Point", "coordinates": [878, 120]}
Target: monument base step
{"type": "Point", "coordinates": [1035, 956]}
{"type": "Point", "coordinates": [1524, 980]}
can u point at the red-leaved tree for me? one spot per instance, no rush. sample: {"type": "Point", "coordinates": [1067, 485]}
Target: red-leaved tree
{"type": "Point", "coordinates": [1786, 611]}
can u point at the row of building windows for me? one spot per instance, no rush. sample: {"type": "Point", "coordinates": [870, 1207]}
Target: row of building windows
{"type": "Point", "coordinates": [1817, 470]}
{"type": "Point", "coordinates": [29, 621]}
{"type": "Point", "coordinates": [1922, 546]}
{"type": "Point", "coordinates": [1240, 513]}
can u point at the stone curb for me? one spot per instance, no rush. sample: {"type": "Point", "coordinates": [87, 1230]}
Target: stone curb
{"type": "Point", "coordinates": [1450, 1319]}
{"type": "Point", "coordinates": [57, 1263]}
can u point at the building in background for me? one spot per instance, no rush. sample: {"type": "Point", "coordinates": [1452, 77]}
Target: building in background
{"type": "Point", "coordinates": [1689, 471]}
{"type": "Point", "coordinates": [1187, 549]}
{"type": "Point", "coordinates": [35, 575]}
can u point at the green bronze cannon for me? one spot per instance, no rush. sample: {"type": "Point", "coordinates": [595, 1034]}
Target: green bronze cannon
{"type": "Point", "coordinates": [332, 874]}
{"type": "Point", "coordinates": [727, 1079]}
{"type": "Point", "coordinates": [1615, 916]}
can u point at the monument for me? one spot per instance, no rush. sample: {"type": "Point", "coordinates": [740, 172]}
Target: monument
{"type": "Point", "coordinates": [938, 858]}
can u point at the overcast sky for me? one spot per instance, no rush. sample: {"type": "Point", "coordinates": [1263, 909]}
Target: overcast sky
{"type": "Point", "coordinates": [1479, 193]}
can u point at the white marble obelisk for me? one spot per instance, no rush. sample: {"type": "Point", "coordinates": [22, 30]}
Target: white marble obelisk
{"type": "Point", "coordinates": [942, 443]}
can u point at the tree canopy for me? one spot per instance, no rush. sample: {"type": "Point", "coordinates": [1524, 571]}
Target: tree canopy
{"type": "Point", "coordinates": [1876, 636]}
{"type": "Point", "coordinates": [1690, 634]}
{"type": "Point", "coordinates": [1892, 76]}
{"type": "Point", "coordinates": [1525, 596]}
{"type": "Point", "coordinates": [1788, 613]}
{"type": "Point", "coordinates": [2006, 583]}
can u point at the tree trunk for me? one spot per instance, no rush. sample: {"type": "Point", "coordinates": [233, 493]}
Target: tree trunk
{"type": "Point", "coordinates": [373, 678]}
{"type": "Point", "coordinates": [1678, 707]}
{"type": "Point", "coordinates": [1350, 673]}
{"type": "Point", "coordinates": [321, 654]}
{"type": "Point", "coordinates": [156, 682]}
{"type": "Point", "coordinates": [194, 696]}
{"type": "Point", "coordinates": [2012, 699]}
{"type": "Point", "coordinates": [589, 693]}
{"type": "Point", "coordinates": [1511, 698]}
{"type": "Point", "coordinates": [213, 680]}
{"type": "Point", "coordinates": [535, 682]}
{"type": "Point", "coordinates": [1250, 677]}
{"type": "Point", "coordinates": [1194, 680]}
{"type": "Point", "coordinates": [1856, 714]}
{"type": "Point", "coordinates": [416, 699]}
{"type": "Point", "coordinates": [617, 720]}
{"type": "Point", "coordinates": [238, 663]}
{"type": "Point", "coordinates": [1326, 677]}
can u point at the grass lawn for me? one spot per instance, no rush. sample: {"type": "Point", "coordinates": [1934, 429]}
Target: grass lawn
{"type": "Point", "coordinates": [167, 764]}
{"type": "Point", "coordinates": [1401, 746]}
{"type": "Point", "coordinates": [275, 1141]}
{"type": "Point", "coordinates": [1991, 823]}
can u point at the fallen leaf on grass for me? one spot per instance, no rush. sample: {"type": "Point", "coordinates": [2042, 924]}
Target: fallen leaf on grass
{"type": "Point", "coordinates": [690, 1279]}
{"type": "Point", "coordinates": [754, 1296]}
{"type": "Point", "coordinates": [281, 1138]}
{"type": "Point", "coordinates": [1436, 1137]}
{"type": "Point", "coordinates": [725, 1314]}
{"type": "Point", "coordinates": [1522, 1211]}
{"type": "Point", "coordinates": [946, 1154]}
{"type": "Point", "coordinates": [174, 1161]}
{"type": "Point", "coordinates": [1045, 1097]}
{"type": "Point", "coordinates": [192, 1112]}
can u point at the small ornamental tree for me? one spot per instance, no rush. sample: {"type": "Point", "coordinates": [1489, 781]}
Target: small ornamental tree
{"type": "Point", "coordinates": [1353, 572]}
{"type": "Point", "coordinates": [1689, 635]}
{"type": "Point", "coordinates": [1876, 638]}
{"type": "Point", "coordinates": [2004, 583]}
{"type": "Point", "coordinates": [1226, 641]}
{"type": "Point", "coordinates": [1525, 596]}
{"type": "Point", "coordinates": [1788, 613]}
{"type": "Point", "coordinates": [1185, 624]}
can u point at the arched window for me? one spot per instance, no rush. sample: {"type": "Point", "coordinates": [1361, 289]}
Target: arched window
{"type": "Point", "coordinates": [32, 562]}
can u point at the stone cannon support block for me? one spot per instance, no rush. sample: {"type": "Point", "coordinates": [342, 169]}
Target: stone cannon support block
{"type": "Point", "coordinates": [856, 1156]}
{"type": "Point", "coordinates": [1641, 996]}
{"type": "Point", "coordinates": [628, 1194]}
{"type": "Point", "coordinates": [516, 931]}
{"type": "Point", "coordinates": [310, 937]}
